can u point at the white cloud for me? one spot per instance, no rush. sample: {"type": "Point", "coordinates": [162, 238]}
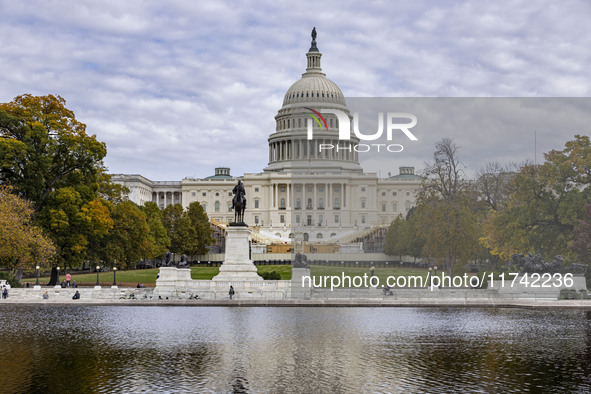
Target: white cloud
{"type": "Point", "coordinates": [175, 89]}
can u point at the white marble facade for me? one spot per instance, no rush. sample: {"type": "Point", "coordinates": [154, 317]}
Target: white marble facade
{"type": "Point", "coordinates": [322, 193]}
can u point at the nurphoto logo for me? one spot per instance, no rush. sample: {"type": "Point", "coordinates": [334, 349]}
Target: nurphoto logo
{"type": "Point", "coordinates": [392, 120]}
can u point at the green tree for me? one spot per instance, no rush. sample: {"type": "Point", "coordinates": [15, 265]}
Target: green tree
{"type": "Point", "coordinates": [546, 205]}
{"type": "Point", "coordinates": [446, 210]}
{"type": "Point", "coordinates": [22, 245]}
{"type": "Point", "coordinates": [202, 236]}
{"type": "Point", "coordinates": [47, 156]}
{"type": "Point", "coordinates": [129, 240]}
{"type": "Point", "coordinates": [189, 231]}
{"type": "Point", "coordinates": [582, 237]}
{"type": "Point", "coordinates": [159, 240]}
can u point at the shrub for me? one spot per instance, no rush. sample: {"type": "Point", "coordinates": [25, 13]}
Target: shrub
{"type": "Point", "coordinates": [271, 275]}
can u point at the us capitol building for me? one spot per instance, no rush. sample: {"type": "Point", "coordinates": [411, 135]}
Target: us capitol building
{"type": "Point", "coordinates": [305, 193]}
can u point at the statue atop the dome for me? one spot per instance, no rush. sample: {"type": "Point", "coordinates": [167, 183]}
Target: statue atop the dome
{"type": "Point", "coordinates": [314, 34]}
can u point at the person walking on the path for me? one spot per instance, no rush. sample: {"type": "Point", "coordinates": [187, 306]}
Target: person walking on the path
{"type": "Point", "coordinates": [5, 292]}
{"type": "Point", "coordinates": [232, 292]}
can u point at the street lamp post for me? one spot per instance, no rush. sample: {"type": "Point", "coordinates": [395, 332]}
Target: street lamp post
{"type": "Point", "coordinates": [37, 282]}
{"type": "Point", "coordinates": [57, 284]}
{"type": "Point", "coordinates": [98, 285]}
{"type": "Point", "coordinates": [114, 278]}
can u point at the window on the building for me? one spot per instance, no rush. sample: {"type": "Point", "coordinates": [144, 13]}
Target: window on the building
{"type": "Point", "coordinates": [408, 193]}
{"type": "Point", "coordinates": [204, 194]}
{"type": "Point", "coordinates": [204, 205]}
{"type": "Point", "coordinates": [336, 188]}
{"type": "Point", "coordinates": [309, 188]}
{"type": "Point", "coordinates": [362, 218]}
{"type": "Point", "coordinates": [383, 207]}
{"type": "Point", "coordinates": [217, 194]}
{"type": "Point", "coordinates": [319, 235]}
{"type": "Point", "coordinates": [321, 203]}
{"type": "Point", "coordinates": [256, 189]}
{"type": "Point", "coordinates": [193, 194]}
{"type": "Point", "coordinates": [336, 218]}
{"type": "Point", "coordinates": [363, 189]}
{"type": "Point", "coordinates": [282, 189]}
{"type": "Point", "coordinates": [393, 193]}
{"type": "Point", "coordinates": [298, 189]}
{"type": "Point", "coordinates": [278, 235]}
{"type": "Point", "coordinates": [281, 218]}
{"type": "Point", "coordinates": [298, 219]}
{"type": "Point", "coordinates": [383, 193]}
{"type": "Point", "coordinates": [298, 203]}
{"type": "Point", "coordinates": [395, 207]}
{"type": "Point", "coordinates": [256, 220]}
{"type": "Point", "coordinates": [320, 219]}
{"type": "Point", "coordinates": [407, 205]}
{"type": "Point", "coordinates": [283, 203]}
{"type": "Point", "coordinates": [320, 188]}
{"type": "Point", "coordinates": [217, 206]}
{"type": "Point", "coordinates": [337, 203]}
{"type": "Point", "coordinates": [362, 203]}
{"type": "Point", "coordinates": [256, 203]}
{"type": "Point", "coordinates": [230, 194]}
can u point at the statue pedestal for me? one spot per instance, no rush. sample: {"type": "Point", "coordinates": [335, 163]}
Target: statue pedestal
{"type": "Point", "coordinates": [238, 266]}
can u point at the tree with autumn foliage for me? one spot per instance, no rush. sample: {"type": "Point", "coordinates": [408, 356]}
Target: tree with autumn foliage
{"type": "Point", "coordinates": [48, 158]}
{"type": "Point", "coordinates": [447, 212]}
{"type": "Point", "coordinates": [22, 244]}
{"type": "Point", "coordinates": [546, 205]}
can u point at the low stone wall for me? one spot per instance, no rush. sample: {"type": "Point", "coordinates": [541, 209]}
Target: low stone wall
{"type": "Point", "coordinates": [86, 293]}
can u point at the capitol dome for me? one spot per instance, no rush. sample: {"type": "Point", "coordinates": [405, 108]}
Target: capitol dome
{"type": "Point", "coordinates": [289, 146]}
{"type": "Point", "coordinates": [316, 88]}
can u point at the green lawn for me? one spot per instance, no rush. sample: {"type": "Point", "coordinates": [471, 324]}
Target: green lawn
{"type": "Point", "coordinates": [148, 276]}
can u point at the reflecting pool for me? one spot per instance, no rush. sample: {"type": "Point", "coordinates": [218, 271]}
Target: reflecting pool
{"type": "Point", "coordinates": [47, 348]}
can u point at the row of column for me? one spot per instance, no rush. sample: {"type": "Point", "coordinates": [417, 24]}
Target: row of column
{"type": "Point", "coordinates": [164, 198]}
{"type": "Point", "coordinates": [310, 149]}
{"type": "Point", "coordinates": [290, 194]}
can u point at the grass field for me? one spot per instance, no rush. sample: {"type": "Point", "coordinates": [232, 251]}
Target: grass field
{"type": "Point", "coordinates": [148, 276]}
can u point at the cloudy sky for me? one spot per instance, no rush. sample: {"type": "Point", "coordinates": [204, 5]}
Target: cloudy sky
{"type": "Point", "coordinates": [176, 88]}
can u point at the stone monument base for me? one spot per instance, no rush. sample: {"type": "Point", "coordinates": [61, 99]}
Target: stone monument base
{"type": "Point", "coordinates": [237, 266]}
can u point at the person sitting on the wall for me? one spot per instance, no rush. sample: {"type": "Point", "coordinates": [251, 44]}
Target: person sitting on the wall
{"type": "Point", "coordinates": [76, 295]}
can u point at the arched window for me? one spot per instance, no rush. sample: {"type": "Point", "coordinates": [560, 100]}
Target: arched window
{"type": "Point", "coordinates": [332, 234]}
{"type": "Point", "coordinates": [217, 206]}
{"type": "Point", "coordinates": [290, 235]}
{"type": "Point", "coordinates": [306, 237]}
{"type": "Point", "coordinates": [407, 205]}
{"type": "Point", "coordinates": [278, 235]}
{"type": "Point", "coordinates": [319, 235]}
